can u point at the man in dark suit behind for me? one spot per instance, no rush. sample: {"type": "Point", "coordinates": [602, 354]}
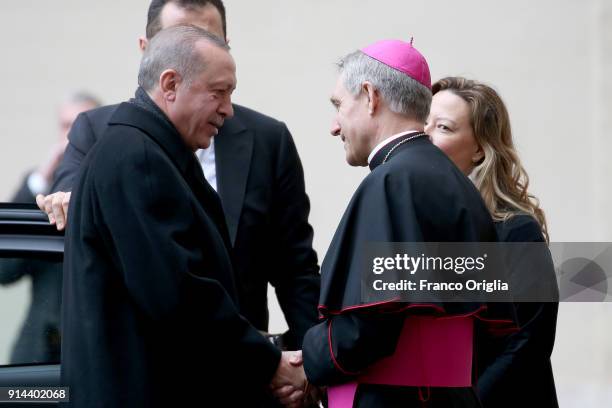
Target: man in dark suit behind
{"type": "Point", "coordinates": [255, 168]}
{"type": "Point", "coordinates": [40, 180]}
{"type": "Point", "coordinates": [148, 293]}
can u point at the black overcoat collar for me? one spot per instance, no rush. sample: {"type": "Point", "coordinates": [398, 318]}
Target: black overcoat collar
{"type": "Point", "coordinates": [167, 137]}
{"type": "Point", "coordinates": [161, 131]}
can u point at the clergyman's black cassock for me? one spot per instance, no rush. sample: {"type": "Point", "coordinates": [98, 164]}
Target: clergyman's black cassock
{"type": "Point", "coordinates": [148, 298]}
{"type": "Point", "coordinates": [418, 195]}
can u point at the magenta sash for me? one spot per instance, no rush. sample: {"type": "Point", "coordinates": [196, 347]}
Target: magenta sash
{"type": "Point", "coordinates": [431, 352]}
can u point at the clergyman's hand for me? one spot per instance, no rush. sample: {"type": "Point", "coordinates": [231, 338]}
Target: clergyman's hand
{"type": "Point", "coordinates": [56, 207]}
{"type": "Point", "coordinates": [289, 382]}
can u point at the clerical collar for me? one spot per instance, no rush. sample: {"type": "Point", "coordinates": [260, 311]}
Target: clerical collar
{"type": "Point", "coordinates": [377, 155]}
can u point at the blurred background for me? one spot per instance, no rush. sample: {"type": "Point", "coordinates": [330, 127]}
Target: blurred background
{"type": "Point", "coordinates": [550, 61]}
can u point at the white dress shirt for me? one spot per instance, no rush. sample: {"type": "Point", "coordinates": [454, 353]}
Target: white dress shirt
{"type": "Point", "coordinates": [207, 161]}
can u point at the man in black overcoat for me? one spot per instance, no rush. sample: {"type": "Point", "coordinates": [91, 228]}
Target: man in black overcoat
{"type": "Point", "coordinates": [256, 170]}
{"type": "Point", "coordinates": [149, 316]}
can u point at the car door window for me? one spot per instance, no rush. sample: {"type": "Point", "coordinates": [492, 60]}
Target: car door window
{"type": "Point", "coordinates": [30, 301]}
{"type": "Point", "coordinates": [31, 253]}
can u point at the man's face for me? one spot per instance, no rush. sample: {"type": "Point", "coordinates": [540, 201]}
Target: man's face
{"type": "Point", "coordinates": [199, 108]}
{"type": "Point", "coordinates": [353, 124]}
{"type": "Point", "coordinates": [207, 17]}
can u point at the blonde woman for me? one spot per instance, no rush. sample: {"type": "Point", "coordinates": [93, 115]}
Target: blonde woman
{"type": "Point", "coordinates": [469, 122]}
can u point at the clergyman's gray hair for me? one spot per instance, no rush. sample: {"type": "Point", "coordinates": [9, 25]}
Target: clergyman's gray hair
{"type": "Point", "coordinates": [174, 48]}
{"type": "Point", "coordinates": [403, 94]}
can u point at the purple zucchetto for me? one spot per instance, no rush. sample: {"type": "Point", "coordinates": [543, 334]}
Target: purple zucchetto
{"type": "Point", "coordinates": [401, 56]}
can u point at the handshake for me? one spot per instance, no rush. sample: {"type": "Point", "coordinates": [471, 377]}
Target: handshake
{"type": "Point", "coordinates": [289, 383]}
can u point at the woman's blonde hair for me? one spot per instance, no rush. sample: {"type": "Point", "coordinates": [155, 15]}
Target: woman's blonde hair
{"type": "Point", "coordinates": [499, 175]}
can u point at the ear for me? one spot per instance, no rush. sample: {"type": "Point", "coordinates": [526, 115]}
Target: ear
{"type": "Point", "coordinates": [372, 96]}
{"type": "Point", "coordinates": [169, 81]}
{"type": "Point", "coordinates": [142, 43]}
{"type": "Point", "coordinates": [478, 156]}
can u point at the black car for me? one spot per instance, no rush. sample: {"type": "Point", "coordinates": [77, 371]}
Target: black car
{"type": "Point", "coordinates": [31, 248]}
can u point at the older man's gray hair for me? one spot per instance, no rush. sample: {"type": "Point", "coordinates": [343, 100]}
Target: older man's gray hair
{"type": "Point", "coordinates": [82, 98]}
{"type": "Point", "coordinates": [174, 48]}
{"type": "Point", "coordinates": [403, 94]}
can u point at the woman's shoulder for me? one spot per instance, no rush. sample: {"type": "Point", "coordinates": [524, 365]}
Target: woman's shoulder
{"type": "Point", "coordinates": [519, 228]}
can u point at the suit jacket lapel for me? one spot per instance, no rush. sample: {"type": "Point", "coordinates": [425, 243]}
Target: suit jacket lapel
{"type": "Point", "coordinates": [208, 198]}
{"type": "Point", "coordinates": [233, 151]}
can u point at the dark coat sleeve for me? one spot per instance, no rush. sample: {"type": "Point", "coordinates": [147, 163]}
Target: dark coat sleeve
{"type": "Point", "coordinates": [521, 361]}
{"type": "Point", "coordinates": [343, 345]}
{"type": "Point", "coordinates": [296, 274]}
{"type": "Point", "coordinates": [81, 138]}
{"type": "Point", "coordinates": [11, 270]}
{"type": "Point", "coordinates": [168, 261]}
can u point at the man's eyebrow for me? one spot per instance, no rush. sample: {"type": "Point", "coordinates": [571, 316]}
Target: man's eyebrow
{"type": "Point", "coordinates": [335, 101]}
{"type": "Point", "coordinates": [223, 85]}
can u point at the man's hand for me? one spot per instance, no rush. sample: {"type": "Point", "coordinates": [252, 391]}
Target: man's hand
{"type": "Point", "coordinates": [56, 207]}
{"type": "Point", "coordinates": [289, 382]}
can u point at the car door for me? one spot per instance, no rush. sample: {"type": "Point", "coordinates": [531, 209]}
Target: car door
{"type": "Point", "coordinates": [31, 253]}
